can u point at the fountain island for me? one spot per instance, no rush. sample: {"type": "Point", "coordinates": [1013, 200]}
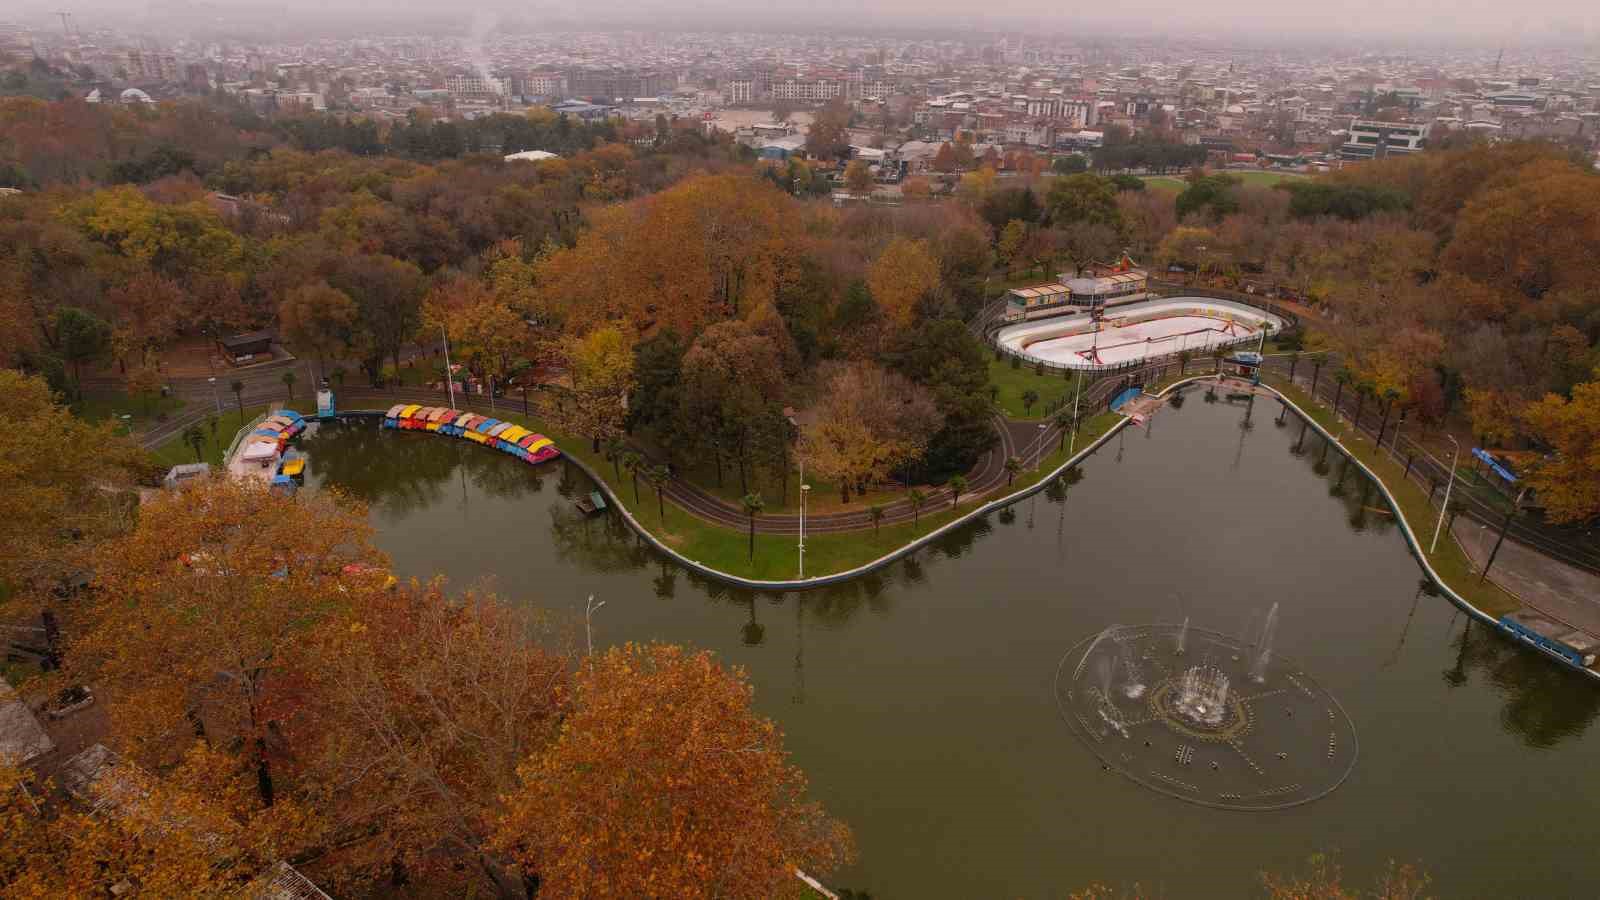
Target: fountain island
{"type": "Point", "coordinates": [1206, 717]}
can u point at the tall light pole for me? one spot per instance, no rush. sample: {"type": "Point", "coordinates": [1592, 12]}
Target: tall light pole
{"type": "Point", "coordinates": [449, 382]}
{"type": "Point", "coordinates": [1072, 446]}
{"type": "Point", "coordinates": [214, 398]}
{"type": "Point", "coordinates": [589, 609]}
{"type": "Point", "coordinates": [804, 490]}
{"type": "Point", "coordinates": [1452, 483]}
{"type": "Point", "coordinates": [1038, 450]}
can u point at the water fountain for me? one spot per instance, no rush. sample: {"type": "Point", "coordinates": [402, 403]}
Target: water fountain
{"type": "Point", "coordinates": [1203, 695]}
{"type": "Point", "coordinates": [1225, 721]}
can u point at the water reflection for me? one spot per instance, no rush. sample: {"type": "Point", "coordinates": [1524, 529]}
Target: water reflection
{"type": "Point", "coordinates": [1544, 703]}
{"type": "Point", "coordinates": [400, 474]}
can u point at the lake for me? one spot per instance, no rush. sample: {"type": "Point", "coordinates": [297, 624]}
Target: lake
{"type": "Point", "coordinates": [919, 700]}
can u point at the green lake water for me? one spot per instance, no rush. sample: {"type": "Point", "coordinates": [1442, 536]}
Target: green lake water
{"type": "Point", "coordinates": [919, 699]}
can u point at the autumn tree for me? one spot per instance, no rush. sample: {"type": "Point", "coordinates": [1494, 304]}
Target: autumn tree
{"type": "Point", "coordinates": [200, 614]}
{"type": "Point", "coordinates": [858, 178]}
{"type": "Point", "coordinates": [1009, 244]}
{"type": "Point", "coordinates": [191, 833]}
{"type": "Point", "coordinates": [902, 274]}
{"type": "Point", "coordinates": [731, 374]}
{"type": "Point", "coordinates": [707, 249]}
{"type": "Point", "coordinates": [319, 318]}
{"type": "Point", "coordinates": [485, 334]}
{"type": "Point", "coordinates": [726, 816]}
{"type": "Point", "coordinates": [1084, 243]}
{"type": "Point", "coordinates": [828, 135]}
{"type": "Point", "coordinates": [426, 706]}
{"type": "Point", "coordinates": [1568, 479]}
{"type": "Point", "coordinates": [388, 294]}
{"type": "Point", "coordinates": [944, 159]}
{"type": "Point", "coordinates": [870, 423]}
{"type": "Point", "coordinates": [65, 481]}
{"type": "Point", "coordinates": [601, 368]}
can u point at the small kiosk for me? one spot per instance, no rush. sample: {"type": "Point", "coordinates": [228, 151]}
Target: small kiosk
{"type": "Point", "coordinates": [1244, 364]}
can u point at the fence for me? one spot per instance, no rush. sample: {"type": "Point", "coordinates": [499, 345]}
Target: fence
{"type": "Point", "coordinates": [1426, 469]}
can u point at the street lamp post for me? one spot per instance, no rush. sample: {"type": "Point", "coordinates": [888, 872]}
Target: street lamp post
{"type": "Point", "coordinates": [449, 382]}
{"type": "Point", "coordinates": [1038, 449]}
{"type": "Point", "coordinates": [214, 398]}
{"type": "Point", "coordinates": [804, 490]}
{"type": "Point", "coordinates": [1452, 483]}
{"type": "Point", "coordinates": [1072, 445]}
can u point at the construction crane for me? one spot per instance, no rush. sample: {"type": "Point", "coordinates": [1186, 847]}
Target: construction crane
{"type": "Point", "coordinates": [66, 22]}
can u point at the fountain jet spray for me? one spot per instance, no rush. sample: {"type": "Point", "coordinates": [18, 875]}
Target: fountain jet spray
{"type": "Point", "coordinates": [1258, 671]}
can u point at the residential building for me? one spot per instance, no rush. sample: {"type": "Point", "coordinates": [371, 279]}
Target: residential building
{"type": "Point", "coordinates": [1369, 139]}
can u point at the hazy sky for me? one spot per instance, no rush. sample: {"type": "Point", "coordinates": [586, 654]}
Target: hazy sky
{"type": "Point", "coordinates": [1395, 22]}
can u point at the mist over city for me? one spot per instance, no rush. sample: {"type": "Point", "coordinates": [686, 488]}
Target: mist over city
{"type": "Point", "coordinates": [830, 451]}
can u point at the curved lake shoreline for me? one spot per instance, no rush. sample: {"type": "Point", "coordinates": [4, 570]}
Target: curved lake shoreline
{"type": "Point", "coordinates": [917, 697]}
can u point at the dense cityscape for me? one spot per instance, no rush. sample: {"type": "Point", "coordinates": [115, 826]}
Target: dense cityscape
{"type": "Point", "coordinates": [674, 453]}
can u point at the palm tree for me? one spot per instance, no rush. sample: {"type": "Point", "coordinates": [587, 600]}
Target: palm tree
{"type": "Point", "coordinates": [195, 439]}
{"type": "Point", "coordinates": [238, 397]}
{"type": "Point", "coordinates": [611, 449]}
{"type": "Point", "coordinates": [1364, 389]}
{"type": "Point", "coordinates": [1315, 372]}
{"type": "Point", "coordinates": [1013, 466]}
{"type": "Point", "coordinates": [875, 513]}
{"type": "Point", "coordinates": [917, 498]}
{"type": "Point", "coordinates": [1294, 362]}
{"type": "Point", "coordinates": [1183, 361]}
{"type": "Point", "coordinates": [1029, 398]}
{"type": "Point", "coordinates": [657, 476]}
{"type": "Point", "coordinates": [1344, 377]}
{"type": "Point", "coordinates": [288, 382]}
{"type": "Point", "coordinates": [994, 393]}
{"type": "Point", "coordinates": [1063, 421]}
{"type": "Point", "coordinates": [211, 425]}
{"type": "Point", "coordinates": [1390, 395]}
{"type": "Point", "coordinates": [632, 463]}
{"type": "Point", "coordinates": [753, 505]}
{"type": "Point", "coordinates": [957, 483]}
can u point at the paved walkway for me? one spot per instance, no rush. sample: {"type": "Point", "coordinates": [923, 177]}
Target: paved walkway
{"type": "Point", "coordinates": [1548, 585]}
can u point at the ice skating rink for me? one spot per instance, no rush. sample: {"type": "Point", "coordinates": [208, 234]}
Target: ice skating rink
{"type": "Point", "coordinates": [1138, 330]}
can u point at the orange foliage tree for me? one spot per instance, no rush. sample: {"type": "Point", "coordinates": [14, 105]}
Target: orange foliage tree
{"type": "Point", "coordinates": [664, 783]}
{"type": "Point", "coordinates": [707, 249]}
{"type": "Point", "coordinates": [426, 706]}
{"type": "Point", "coordinates": [200, 614]}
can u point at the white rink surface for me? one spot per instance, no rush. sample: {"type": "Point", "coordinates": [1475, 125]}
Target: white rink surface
{"type": "Point", "coordinates": [1157, 338]}
{"type": "Point", "coordinates": [1191, 323]}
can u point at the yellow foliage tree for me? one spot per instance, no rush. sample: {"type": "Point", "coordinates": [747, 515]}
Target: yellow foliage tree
{"type": "Point", "coordinates": [902, 274]}
{"type": "Point", "coordinates": [1568, 480]}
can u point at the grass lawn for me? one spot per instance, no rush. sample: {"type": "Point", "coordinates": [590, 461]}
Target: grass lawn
{"type": "Point", "coordinates": [173, 451]}
{"type": "Point", "coordinates": [1449, 560]}
{"type": "Point", "coordinates": [1012, 382]}
{"type": "Point", "coordinates": [1175, 184]}
{"type": "Point", "coordinates": [101, 404]}
{"type": "Point", "coordinates": [1167, 184]}
{"type": "Point", "coordinates": [1266, 178]}
{"type": "Point", "coordinates": [775, 556]}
